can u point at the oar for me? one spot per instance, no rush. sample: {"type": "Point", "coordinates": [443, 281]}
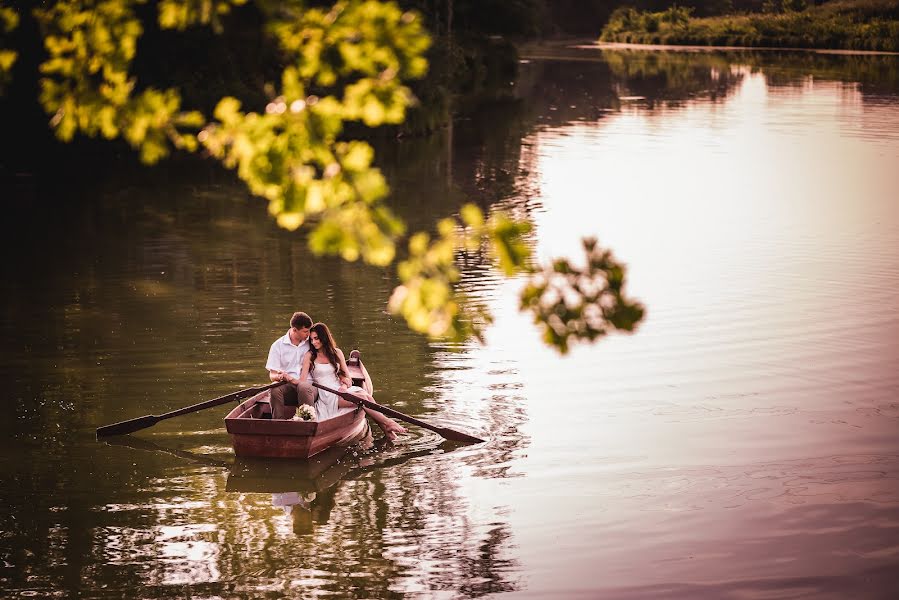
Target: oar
{"type": "Point", "coordinates": [450, 434]}
{"type": "Point", "coordinates": [132, 425]}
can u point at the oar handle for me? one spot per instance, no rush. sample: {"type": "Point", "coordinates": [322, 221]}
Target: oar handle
{"type": "Point", "coordinates": [374, 405]}
{"type": "Point", "coordinates": [132, 425]}
{"type": "Point", "coordinates": [220, 400]}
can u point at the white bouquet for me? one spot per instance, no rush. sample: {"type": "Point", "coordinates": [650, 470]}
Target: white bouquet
{"type": "Point", "coordinates": [305, 412]}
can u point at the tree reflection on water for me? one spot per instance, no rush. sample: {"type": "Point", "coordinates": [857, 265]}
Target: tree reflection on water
{"type": "Point", "coordinates": [585, 83]}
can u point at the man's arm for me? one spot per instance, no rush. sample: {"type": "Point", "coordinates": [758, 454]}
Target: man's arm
{"type": "Point", "coordinates": [273, 364]}
{"type": "Point", "coordinates": [304, 369]}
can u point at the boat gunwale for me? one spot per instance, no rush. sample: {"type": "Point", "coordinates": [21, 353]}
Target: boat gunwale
{"type": "Point", "coordinates": [239, 422]}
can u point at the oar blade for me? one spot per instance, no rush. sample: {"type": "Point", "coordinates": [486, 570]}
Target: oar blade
{"type": "Point", "coordinates": [458, 436]}
{"type": "Point", "coordinates": [129, 426]}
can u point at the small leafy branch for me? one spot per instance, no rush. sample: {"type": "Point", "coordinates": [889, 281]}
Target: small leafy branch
{"type": "Point", "coordinates": [569, 303]}
{"type": "Point", "coordinates": [572, 303]}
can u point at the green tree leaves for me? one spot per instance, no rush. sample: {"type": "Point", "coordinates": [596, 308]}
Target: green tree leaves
{"type": "Point", "coordinates": [346, 63]}
{"type": "Point", "coordinates": [181, 14]}
{"type": "Point", "coordinates": [87, 87]}
{"type": "Point", "coordinates": [363, 38]}
{"type": "Point", "coordinates": [9, 20]}
{"type": "Point", "coordinates": [293, 155]}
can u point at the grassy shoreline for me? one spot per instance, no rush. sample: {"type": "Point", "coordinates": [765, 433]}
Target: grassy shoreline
{"type": "Point", "coordinates": [838, 25]}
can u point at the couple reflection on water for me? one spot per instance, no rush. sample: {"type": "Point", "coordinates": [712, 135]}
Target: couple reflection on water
{"type": "Point", "coordinates": [306, 509]}
{"type": "Point", "coordinates": [313, 497]}
{"type": "Point", "coordinates": [308, 491]}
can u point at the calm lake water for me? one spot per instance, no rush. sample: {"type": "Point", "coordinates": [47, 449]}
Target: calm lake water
{"type": "Point", "coordinates": [743, 443]}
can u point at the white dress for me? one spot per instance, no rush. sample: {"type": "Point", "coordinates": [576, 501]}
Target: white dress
{"type": "Point", "coordinates": [326, 405]}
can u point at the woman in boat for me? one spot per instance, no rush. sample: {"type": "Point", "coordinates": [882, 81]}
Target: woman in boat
{"type": "Point", "coordinates": [326, 364]}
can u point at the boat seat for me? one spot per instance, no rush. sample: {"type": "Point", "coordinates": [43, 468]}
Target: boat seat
{"type": "Point", "coordinates": [257, 410]}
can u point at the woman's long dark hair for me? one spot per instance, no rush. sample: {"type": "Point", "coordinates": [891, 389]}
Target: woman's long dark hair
{"type": "Point", "coordinates": [329, 349]}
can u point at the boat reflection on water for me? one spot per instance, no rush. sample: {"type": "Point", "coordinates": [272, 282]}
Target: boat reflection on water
{"type": "Point", "coordinates": [305, 489]}
{"type": "Point", "coordinates": [275, 476]}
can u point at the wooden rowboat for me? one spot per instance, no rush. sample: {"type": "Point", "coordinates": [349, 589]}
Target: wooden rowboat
{"type": "Point", "coordinates": [255, 434]}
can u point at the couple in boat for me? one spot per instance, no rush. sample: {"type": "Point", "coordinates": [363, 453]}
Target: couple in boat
{"type": "Point", "coordinates": [307, 353]}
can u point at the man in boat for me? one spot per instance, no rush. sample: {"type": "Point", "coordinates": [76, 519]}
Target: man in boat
{"type": "Point", "coordinates": [285, 358]}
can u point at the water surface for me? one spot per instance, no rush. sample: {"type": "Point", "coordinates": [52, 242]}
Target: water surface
{"type": "Point", "coordinates": [743, 443]}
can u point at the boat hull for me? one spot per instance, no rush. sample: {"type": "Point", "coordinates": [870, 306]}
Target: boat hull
{"type": "Point", "coordinates": [255, 434]}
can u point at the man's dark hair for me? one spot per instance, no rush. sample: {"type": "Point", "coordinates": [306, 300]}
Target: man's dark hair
{"type": "Point", "coordinates": [300, 320]}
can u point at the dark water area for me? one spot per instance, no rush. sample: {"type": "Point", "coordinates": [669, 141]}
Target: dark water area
{"type": "Point", "coordinates": [744, 443]}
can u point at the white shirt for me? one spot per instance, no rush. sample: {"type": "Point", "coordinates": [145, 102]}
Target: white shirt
{"type": "Point", "coordinates": [284, 356]}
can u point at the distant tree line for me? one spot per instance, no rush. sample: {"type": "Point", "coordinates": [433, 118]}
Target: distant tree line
{"type": "Point", "coordinates": [839, 24]}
